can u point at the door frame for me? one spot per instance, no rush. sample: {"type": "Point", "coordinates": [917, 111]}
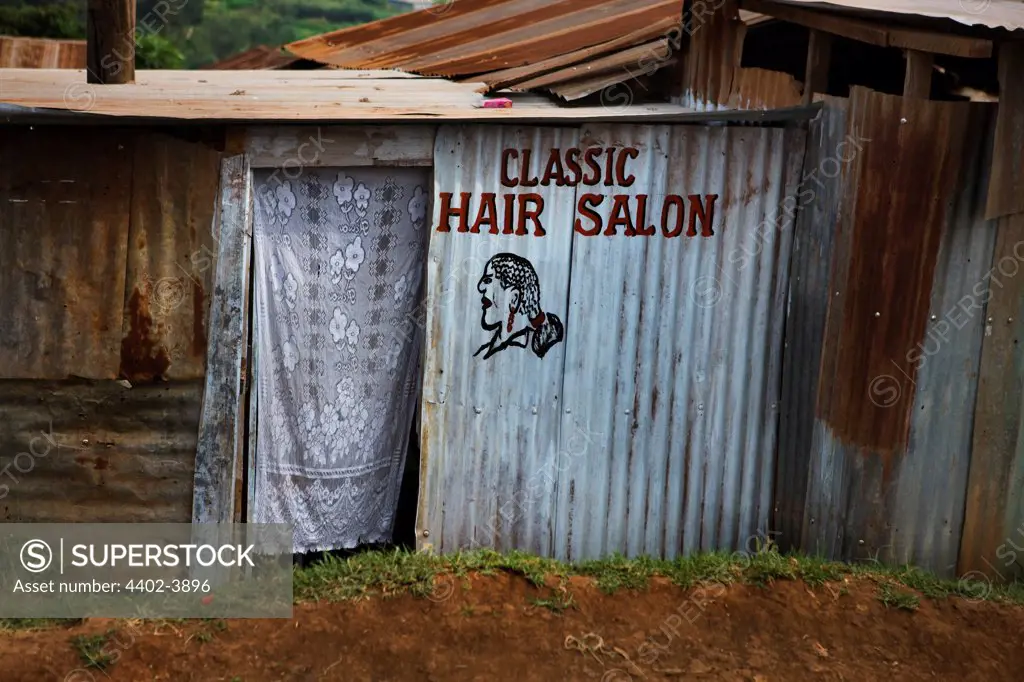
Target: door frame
{"type": "Point", "coordinates": [226, 449]}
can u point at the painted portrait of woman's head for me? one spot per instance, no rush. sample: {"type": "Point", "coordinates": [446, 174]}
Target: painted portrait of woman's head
{"type": "Point", "coordinates": [511, 308]}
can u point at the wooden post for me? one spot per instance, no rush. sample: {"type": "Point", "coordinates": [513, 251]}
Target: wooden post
{"type": "Point", "coordinates": [110, 47]}
{"type": "Point", "coordinates": [918, 80]}
{"type": "Point", "coordinates": [819, 53]}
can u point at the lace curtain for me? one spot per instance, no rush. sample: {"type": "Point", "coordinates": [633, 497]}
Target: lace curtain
{"type": "Point", "coordinates": [339, 259]}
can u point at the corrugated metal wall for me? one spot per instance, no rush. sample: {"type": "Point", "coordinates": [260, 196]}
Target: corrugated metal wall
{"type": "Point", "coordinates": [105, 263]}
{"type": "Point", "coordinates": [41, 53]}
{"type": "Point", "coordinates": [884, 474]}
{"type": "Point", "coordinates": [651, 428]}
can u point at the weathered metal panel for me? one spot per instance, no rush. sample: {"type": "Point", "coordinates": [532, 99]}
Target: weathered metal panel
{"type": "Point", "coordinates": [993, 532]}
{"type": "Point", "coordinates": [1004, 195]}
{"type": "Point", "coordinates": [171, 256]}
{"type": "Point", "coordinates": [890, 447]}
{"type": "Point", "coordinates": [675, 351]}
{"type": "Point", "coordinates": [220, 447]}
{"type": "Point", "coordinates": [489, 427]}
{"type": "Point", "coordinates": [650, 427]}
{"type": "Point", "coordinates": [1008, 14]}
{"type": "Point", "coordinates": [64, 214]}
{"type": "Point", "coordinates": [41, 53]}
{"type": "Point", "coordinates": [97, 452]}
{"type": "Point", "coordinates": [829, 153]}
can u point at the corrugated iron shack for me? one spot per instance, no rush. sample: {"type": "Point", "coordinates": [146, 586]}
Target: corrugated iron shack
{"type": "Point", "coordinates": [900, 420]}
{"type": "Point", "coordinates": [129, 277]}
{"type": "Point", "coordinates": [725, 321]}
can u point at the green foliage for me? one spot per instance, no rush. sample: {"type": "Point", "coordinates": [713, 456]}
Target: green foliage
{"type": "Point", "coordinates": [193, 33]}
{"type": "Point", "coordinates": [153, 51]}
{"type": "Point", "coordinates": [56, 20]}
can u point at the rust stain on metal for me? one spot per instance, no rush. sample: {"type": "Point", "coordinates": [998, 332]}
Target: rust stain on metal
{"type": "Point", "coordinates": [895, 215]}
{"type": "Point", "coordinates": [509, 41]}
{"type": "Point", "coordinates": [142, 359]}
{"type": "Point", "coordinates": [198, 320]}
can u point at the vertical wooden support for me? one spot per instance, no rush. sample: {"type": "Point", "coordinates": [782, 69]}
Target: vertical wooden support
{"type": "Point", "coordinates": [110, 41]}
{"type": "Point", "coordinates": [819, 55]}
{"type": "Point", "coordinates": [221, 425]}
{"type": "Point", "coordinates": [918, 80]}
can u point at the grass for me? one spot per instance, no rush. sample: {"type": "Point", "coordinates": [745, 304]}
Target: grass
{"type": "Point", "coordinates": [92, 650]}
{"type": "Point", "coordinates": [893, 597]}
{"type": "Point", "coordinates": [387, 573]}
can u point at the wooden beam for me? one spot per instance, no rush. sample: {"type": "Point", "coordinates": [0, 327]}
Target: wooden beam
{"type": "Point", "coordinates": [110, 41]}
{"type": "Point", "coordinates": [221, 421]}
{"type": "Point", "coordinates": [819, 54]}
{"type": "Point", "coordinates": [875, 33]}
{"type": "Point", "coordinates": [917, 82]}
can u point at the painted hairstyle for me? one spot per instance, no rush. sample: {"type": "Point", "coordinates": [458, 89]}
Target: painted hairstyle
{"type": "Point", "coordinates": [515, 272]}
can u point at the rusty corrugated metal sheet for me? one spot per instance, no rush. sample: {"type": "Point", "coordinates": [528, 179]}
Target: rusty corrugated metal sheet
{"type": "Point", "coordinates": [887, 471]}
{"type": "Point", "coordinates": [64, 213]}
{"type": "Point", "coordinates": [109, 254]}
{"type": "Point", "coordinates": [261, 57]}
{"type": "Point", "coordinates": [171, 257]}
{"type": "Point", "coordinates": [650, 428]}
{"type": "Point", "coordinates": [100, 453]}
{"type": "Point", "coordinates": [713, 79]}
{"type": "Point", "coordinates": [478, 37]}
{"type": "Point", "coordinates": [41, 53]}
{"type": "Point", "coordinates": [994, 518]}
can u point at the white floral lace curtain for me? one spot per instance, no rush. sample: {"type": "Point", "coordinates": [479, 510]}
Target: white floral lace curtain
{"type": "Point", "coordinates": [339, 258]}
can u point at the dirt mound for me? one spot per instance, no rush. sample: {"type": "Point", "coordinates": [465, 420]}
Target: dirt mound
{"type": "Point", "coordinates": [502, 628]}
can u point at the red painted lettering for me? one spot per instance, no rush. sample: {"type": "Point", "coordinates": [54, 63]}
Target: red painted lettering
{"type": "Point", "coordinates": [572, 160]}
{"type": "Point", "coordinates": [487, 215]}
{"type": "Point", "coordinates": [524, 179]}
{"type": "Point", "coordinates": [589, 157]}
{"type": "Point", "coordinates": [642, 228]}
{"type": "Point", "coordinates": [554, 171]}
{"type": "Point", "coordinates": [620, 166]}
{"type": "Point", "coordinates": [447, 212]}
{"type": "Point", "coordinates": [530, 208]}
{"type": "Point", "coordinates": [584, 209]}
{"type": "Point", "coordinates": [670, 201]}
{"type": "Point", "coordinates": [609, 179]}
{"type": "Point", "coordinates": [510, 208]}
{"type": "Point", "coordinates": [705, 212]}
{"type": "Point", "coordinates": [506, 156]}
{"type": "Point", "coordinates": [620, 216]}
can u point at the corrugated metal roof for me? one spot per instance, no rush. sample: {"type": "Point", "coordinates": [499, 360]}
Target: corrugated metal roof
{"type": "Point", "coordinates": [1008, 14]}
{"type": "Point", "coordinates": [317, 95]}
{"type": "Point", "coordinates": [41, 53]}
{"type": "Point", "coordinates": [474, 37]}
{"type": "Point", "coordinates": [261, 57]}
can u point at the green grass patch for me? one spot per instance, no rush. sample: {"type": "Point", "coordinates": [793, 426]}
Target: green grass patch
{"type": "Point", "coordinates": [92, 651]}
{"type": "Point", "coordinates": [386, 573]}
{"type": "Point", "coordinates": [893, 597]}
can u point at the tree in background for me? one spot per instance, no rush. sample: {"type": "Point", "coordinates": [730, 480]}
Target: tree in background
{"type": "Point", "coordinates": [199, 32]}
